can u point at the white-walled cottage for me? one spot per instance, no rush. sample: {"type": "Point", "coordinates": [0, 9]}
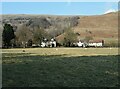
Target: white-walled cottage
{"type": "Point", "coordinates": [52, 43]}
{"type": "Point", "coordinates": [46, 43]}
{"type": "Point", "coordinates": [96, 43]}
{"type": "Point", "coordinates": [91, 43]}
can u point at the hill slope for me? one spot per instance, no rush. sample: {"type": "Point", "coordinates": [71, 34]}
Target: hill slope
{"type": "Point", "coordinates": [101, 26]}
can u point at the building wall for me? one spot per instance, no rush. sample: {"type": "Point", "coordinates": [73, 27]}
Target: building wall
{"type": "Point", "coordinates": [100, 44]}
{"type": "Point", "coordinates": [93, 44]}
{"type": "Point", "coordinates": [80, 44]}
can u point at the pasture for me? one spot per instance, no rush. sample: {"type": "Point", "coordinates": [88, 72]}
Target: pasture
{"type": "Point", "coordinates": [60, 67]}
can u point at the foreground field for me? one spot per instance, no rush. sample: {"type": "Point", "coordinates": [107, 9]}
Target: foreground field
{"type": "Point", "coordinates": [65, 67]}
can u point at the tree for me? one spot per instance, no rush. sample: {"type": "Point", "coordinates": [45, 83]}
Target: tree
{"type": "Point", "coordinates": [29, 43]}
{"type": "Point", "coordinates": [23, 35]}
{"type": "Point", "coordinates": [89, 36]}
{"type": "Point", "coordinates": [8, 34]}
{"type": "Point", "coordinates": [69, 38]}
{"type": "Point", "coordinates": [39, 34]}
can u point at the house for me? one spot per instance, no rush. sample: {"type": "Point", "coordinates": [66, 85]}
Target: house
{"type": "Point", "coordinates": [81, 44]}
{"type": "Point", "coordinates": [46, 43]}
{"type": "Point", "coordinates": [91, 43]}
{"type": "Point", "coordinates": [43, 44]}
{"type": "Point", "coordinates": [96, 43]}
{"type": "Point", "coordinates": [52, 43]}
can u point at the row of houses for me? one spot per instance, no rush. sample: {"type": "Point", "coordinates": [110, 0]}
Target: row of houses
{"type": "Point", "coordinates": [52, 43]}
{"type": "Point", "coordinates": [91, 43]}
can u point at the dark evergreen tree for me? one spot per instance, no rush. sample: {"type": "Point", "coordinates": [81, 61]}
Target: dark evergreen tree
{"type": "Point", "coordinates": [7, 35]}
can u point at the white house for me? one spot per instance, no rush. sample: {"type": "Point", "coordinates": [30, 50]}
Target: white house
{"type": "Point", "coordinates": [96, 43]}
{"type": "Point", "coordinates": [46, 43]}
{"type": "Point", "coordinates": [91, 43]}
{"type": "Point", "coordinates": [43, 44]}
{"type": "Point", "coordinates": [52, 43]}
{"type": "Point", "coordinates": [81, 44]}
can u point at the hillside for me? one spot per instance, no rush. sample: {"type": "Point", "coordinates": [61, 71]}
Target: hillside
{"type": "Point", "coordinates": [101, 26]}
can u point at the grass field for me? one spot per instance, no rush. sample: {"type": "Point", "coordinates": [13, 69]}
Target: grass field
{"type": "Point", "coordinates": [65, 67]}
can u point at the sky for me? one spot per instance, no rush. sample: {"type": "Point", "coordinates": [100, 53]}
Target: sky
{"type": "Point", "coordinates": [59, 8]}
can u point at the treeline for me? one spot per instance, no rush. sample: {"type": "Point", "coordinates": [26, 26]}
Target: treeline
{"type": "Point", "coordinates": [26, 37]}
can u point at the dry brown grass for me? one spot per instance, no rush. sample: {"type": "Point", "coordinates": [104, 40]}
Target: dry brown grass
{"type": "Point", "coordinates": [102, 27]}
{"type": "Point", "coordinates": [65, 51]}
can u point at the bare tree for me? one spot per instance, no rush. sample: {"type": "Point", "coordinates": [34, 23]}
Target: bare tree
{"type": "Point", "coordinates": [69, 38]}
{"type": "Point", "coordinates": [23, 34]}
{"type": "Point", "coordinates": [89, 36]}
{"type": "Point", "coordinates": [39, 34]}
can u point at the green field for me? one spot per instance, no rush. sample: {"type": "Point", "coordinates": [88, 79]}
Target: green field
{"type": "Point", "coordinates": [60, 67]}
